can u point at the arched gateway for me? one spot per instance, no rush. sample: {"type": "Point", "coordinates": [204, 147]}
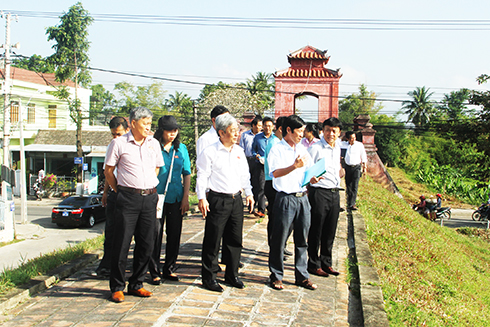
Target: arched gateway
{"type": "Point", "coordinates": [308, 76]}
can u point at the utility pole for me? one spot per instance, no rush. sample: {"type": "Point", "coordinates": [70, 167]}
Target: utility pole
{"type": "Point", "coordinates": [6, 99]}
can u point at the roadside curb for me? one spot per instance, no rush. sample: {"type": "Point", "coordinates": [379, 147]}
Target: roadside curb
{"type": "Point", "coordinates": [41, 283]}
{"type": "Point", "coordinates": [370, 290]}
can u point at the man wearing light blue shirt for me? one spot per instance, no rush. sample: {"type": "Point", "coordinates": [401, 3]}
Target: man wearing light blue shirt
{"type": "Point", "coordinates": [325, 200]}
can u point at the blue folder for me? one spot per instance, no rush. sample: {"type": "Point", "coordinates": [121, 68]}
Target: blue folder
{"type": "Point", "coordinates": [316, 170]}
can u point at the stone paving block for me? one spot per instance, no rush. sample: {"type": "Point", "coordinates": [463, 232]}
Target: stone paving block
{"type": "Point", "coordinates": [222, 323]}
{"type": "Point", "coordinates": [185, 321]}
{"type": "Point", "coordinates": [235, 307]}
{"type": "Point", "coordinates": [202, 312]}
{"type": "Point", "coordinates": [270, 320]}
{"type": "Point", "coordinates": [202, 297]}
{"type": "Point", "coordinates": [241, 301]}
{"type": "Point", "coordinates": [232, 316]}
{"type": "Point", "coordinates": [199, 304]}
{"type": "Point", "coordinates": [274, 308]}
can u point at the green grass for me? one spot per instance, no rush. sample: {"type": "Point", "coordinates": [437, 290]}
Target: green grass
{"type": "Point", "coordinates": [11, 278]}
{"type": "Point", "coordinates": [430, 275]}
{"type": "Point", "coordinates": [11, 242]}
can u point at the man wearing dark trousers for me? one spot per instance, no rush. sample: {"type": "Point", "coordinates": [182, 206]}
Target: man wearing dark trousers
{"type": "Point", "coordinates": [288, 161]}
{"type": "Point", "coordinates": [138, 159]}
{"type": "Point", "coordinates": [355, 165]}
{"type": "Point", "coordinates": [119, 126]}
{"type": "Point", "coordinates": [325, 200]}
{"type": "Point", "coordinates": [222, 168]}
{"type": "Point", "coordinates": [258, 151]}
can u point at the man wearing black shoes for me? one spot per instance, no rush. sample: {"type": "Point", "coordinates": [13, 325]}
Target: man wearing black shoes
{"type": "Point", "coordinates": [324, 200]}
{"type": "Point", "coordinates": [222, 168]}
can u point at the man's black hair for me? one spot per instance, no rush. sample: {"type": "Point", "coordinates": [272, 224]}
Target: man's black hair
{"type": "Point", "coordinates": [349, 133]}
{"type": "Point", "coordinates": [280, 121]}
{"type": "Point", "coordinates": [332, 122]}
{"type": "Point", "coordinates": [118, 121]}
{"type": "Point", "coordinates": [266, 119]}
{"type": "Point", "coordinates": [256, 120]}
{"type": "Point", "coordinates": [218, 110]}
{"type": "Point", "coordinates": [292, 122]}
{"type": "Point", "coordinates": [312, 128]}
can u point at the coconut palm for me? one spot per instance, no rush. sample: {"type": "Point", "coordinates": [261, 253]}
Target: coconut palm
{"type": "Point", "coordinates": [421, 108]}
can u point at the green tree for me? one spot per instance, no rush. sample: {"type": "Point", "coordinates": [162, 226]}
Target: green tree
{"type": "Point", "coordinates": [390, 138]}
{"type": "Point", "coordinates": [102, 104]}
{"type": "Point", "coordinates": [453, 106]}
{"type": "Point", "coordinates": [71, 61]}
{"type": "Point", "coordinates": [151, 96]}
{"type": "Point", "coordinates": [356, 104]}
{"type": "Point", "coordinates": [263, 87]}
{"type": "Point", "coordinates": [34, 63]}
{"type": "Point", "coordinates": [71, 48]}
{"type": "Point", "coordinates": [420, 108]}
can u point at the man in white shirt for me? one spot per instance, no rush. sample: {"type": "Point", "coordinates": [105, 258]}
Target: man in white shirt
{"type": "Point", "coordinates": [325, 200]}
{"type": "Point", "coordinates": [288, 161]}
{"type": "Point", "coordinates": [355, 165]}
{"type": "Point", "coordinates": [222, 168]}
{"type": "Point", "coordinates": [211, 136]}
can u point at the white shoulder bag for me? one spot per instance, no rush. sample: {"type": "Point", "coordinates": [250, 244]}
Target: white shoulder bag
{"type": "Point", "coordinates": [161, 197]}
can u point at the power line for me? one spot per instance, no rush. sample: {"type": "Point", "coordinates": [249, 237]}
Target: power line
{"type": "Point", "coordinates": [284, 23]}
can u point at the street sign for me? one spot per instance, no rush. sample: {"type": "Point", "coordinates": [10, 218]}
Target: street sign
{"type": "Point", "coordinates": [85, 166]}
{"type": "Point", "coordinates": [78, 160]}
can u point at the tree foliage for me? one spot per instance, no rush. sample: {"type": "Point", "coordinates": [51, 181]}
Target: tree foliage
{"type": "Point", "coordinates": [102, 104]}
{"type": "Point", "coordinates": [420, 108]}
{"type": "Point", "coordinates": [356, 104]}
{"type": "Point", "coordinates": [35, 63]}
{"type": "Point", "coordinates": [71, 48]}
{"type": "Point", "coordinates": [151, 96]}
{"type": "Point", "coordinates": [262, 86]}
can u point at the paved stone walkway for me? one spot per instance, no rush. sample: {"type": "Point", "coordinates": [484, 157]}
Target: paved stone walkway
{"type": "Point", "coordinates": [82, 300]}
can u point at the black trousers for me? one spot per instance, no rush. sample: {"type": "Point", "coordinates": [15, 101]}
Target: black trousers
{"type": "Point", "coordinates": [258, 183]}
{"type": "Point", "coordinates": [325, 209]}
{"type": "Point", "coordinates": [110, 210]}
{"type": "Point", "coordinates": [173, 217]}
{"type": "Point", "coordinates": [135, 216]}
{"type": "Point", "coordinates": [352, 176]}
{"type": "Point", "coordinates": [224, 220]}
{"type": "Point", "coordinates": [270, 194]}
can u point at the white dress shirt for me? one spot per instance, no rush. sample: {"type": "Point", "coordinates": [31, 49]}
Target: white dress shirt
{"type": "Point", "coordinates": [208, 138]}
{"type": "Point", "coordinates": [355, 154]}
{"type": "Point", "coordinates": [222, 171]}
{"type": "Point", "coordinates": [283, 155]}
{"type": "Point", "coordinates": [331, 177]}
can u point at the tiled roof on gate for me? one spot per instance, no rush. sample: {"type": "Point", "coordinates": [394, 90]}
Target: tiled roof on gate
{"type": "Point", "coordinates": [33, 77]}
{"type": "Point", "coordinates": [308, 52]}
{"type": "Point", "coordinates": [298, 72]}
{"type": "Point", "coordinates": [89, 138]}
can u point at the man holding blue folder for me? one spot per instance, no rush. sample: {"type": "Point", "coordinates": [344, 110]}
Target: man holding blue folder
{"type": "Point", "coordinates": [324, 200]}
{"type": "Point", "coordinates": [288, 161]}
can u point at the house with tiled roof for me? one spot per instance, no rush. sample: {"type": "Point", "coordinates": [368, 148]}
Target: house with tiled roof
{"type": "Point", "coordinates": [48, 130]}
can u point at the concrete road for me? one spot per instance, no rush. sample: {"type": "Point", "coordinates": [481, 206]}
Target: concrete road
{"type": "Point", "coordinates": [40, 236]}
{"type": "Point", "coordinates": [462, 218]}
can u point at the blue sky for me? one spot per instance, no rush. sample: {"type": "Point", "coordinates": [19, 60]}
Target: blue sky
{"type": "Point", "coordinates": [390, 62]}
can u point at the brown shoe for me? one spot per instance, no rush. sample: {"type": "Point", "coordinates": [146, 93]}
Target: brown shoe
{"type": "Point", "coordinates": [318, 272]}
{"type": "Point", "coordinates": [307, 284]}
{"type": "Point", "coordinates": [117, 297]}
{"type": "Point", "coordinates": [330, 271]}
{"type": "Point", "coordinates": [140, 292]}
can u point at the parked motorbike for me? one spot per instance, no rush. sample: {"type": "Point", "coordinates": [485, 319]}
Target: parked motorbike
{"type": "Point", "coordinates": [38, 191]}
{"type": "Point", "coordinates": [482, 212]}
{"type": "Point", "coordinates": [443, 213]}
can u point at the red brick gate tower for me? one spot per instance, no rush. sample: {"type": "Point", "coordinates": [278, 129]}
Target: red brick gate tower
{"type": "Point", "coordinates": [308, 76]}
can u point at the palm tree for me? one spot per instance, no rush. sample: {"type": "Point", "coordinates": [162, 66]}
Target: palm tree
{"type": "Point", "coordinates": [262, 85]}
{"type": "Point", "coordinates": [421, 108]}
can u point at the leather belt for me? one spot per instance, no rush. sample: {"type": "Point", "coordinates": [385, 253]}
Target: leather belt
{"type": "Point", "coordinates": [139, 191]}
{"type": "Point", "coordinates": [334, 190]}
{"type": "Point", "coordinates": [226, 195]}
{"type": "Point", "coordinates": [298, 194]}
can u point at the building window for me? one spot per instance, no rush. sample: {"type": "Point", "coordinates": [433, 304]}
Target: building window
{"type": "Point", "coordinates": [14, 112]}
{"type": "Point", "coordinates": [31, 113]}
{"type": "Point", "coordinates": [52, 116]}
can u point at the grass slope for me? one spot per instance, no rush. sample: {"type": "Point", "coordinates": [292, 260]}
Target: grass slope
{"type": "Point", "coordinates": [430, 275]}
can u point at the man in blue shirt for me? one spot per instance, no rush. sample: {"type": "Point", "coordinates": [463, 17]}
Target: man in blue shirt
{"type": "Point", "coordinates": [258, 178]}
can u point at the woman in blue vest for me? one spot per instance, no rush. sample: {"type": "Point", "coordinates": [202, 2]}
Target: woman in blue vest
{"type": "Point", "coordinates": [176, 191]}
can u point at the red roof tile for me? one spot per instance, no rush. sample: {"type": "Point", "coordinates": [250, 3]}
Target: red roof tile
{"type": "Point", "coordinates": [25, 75]}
